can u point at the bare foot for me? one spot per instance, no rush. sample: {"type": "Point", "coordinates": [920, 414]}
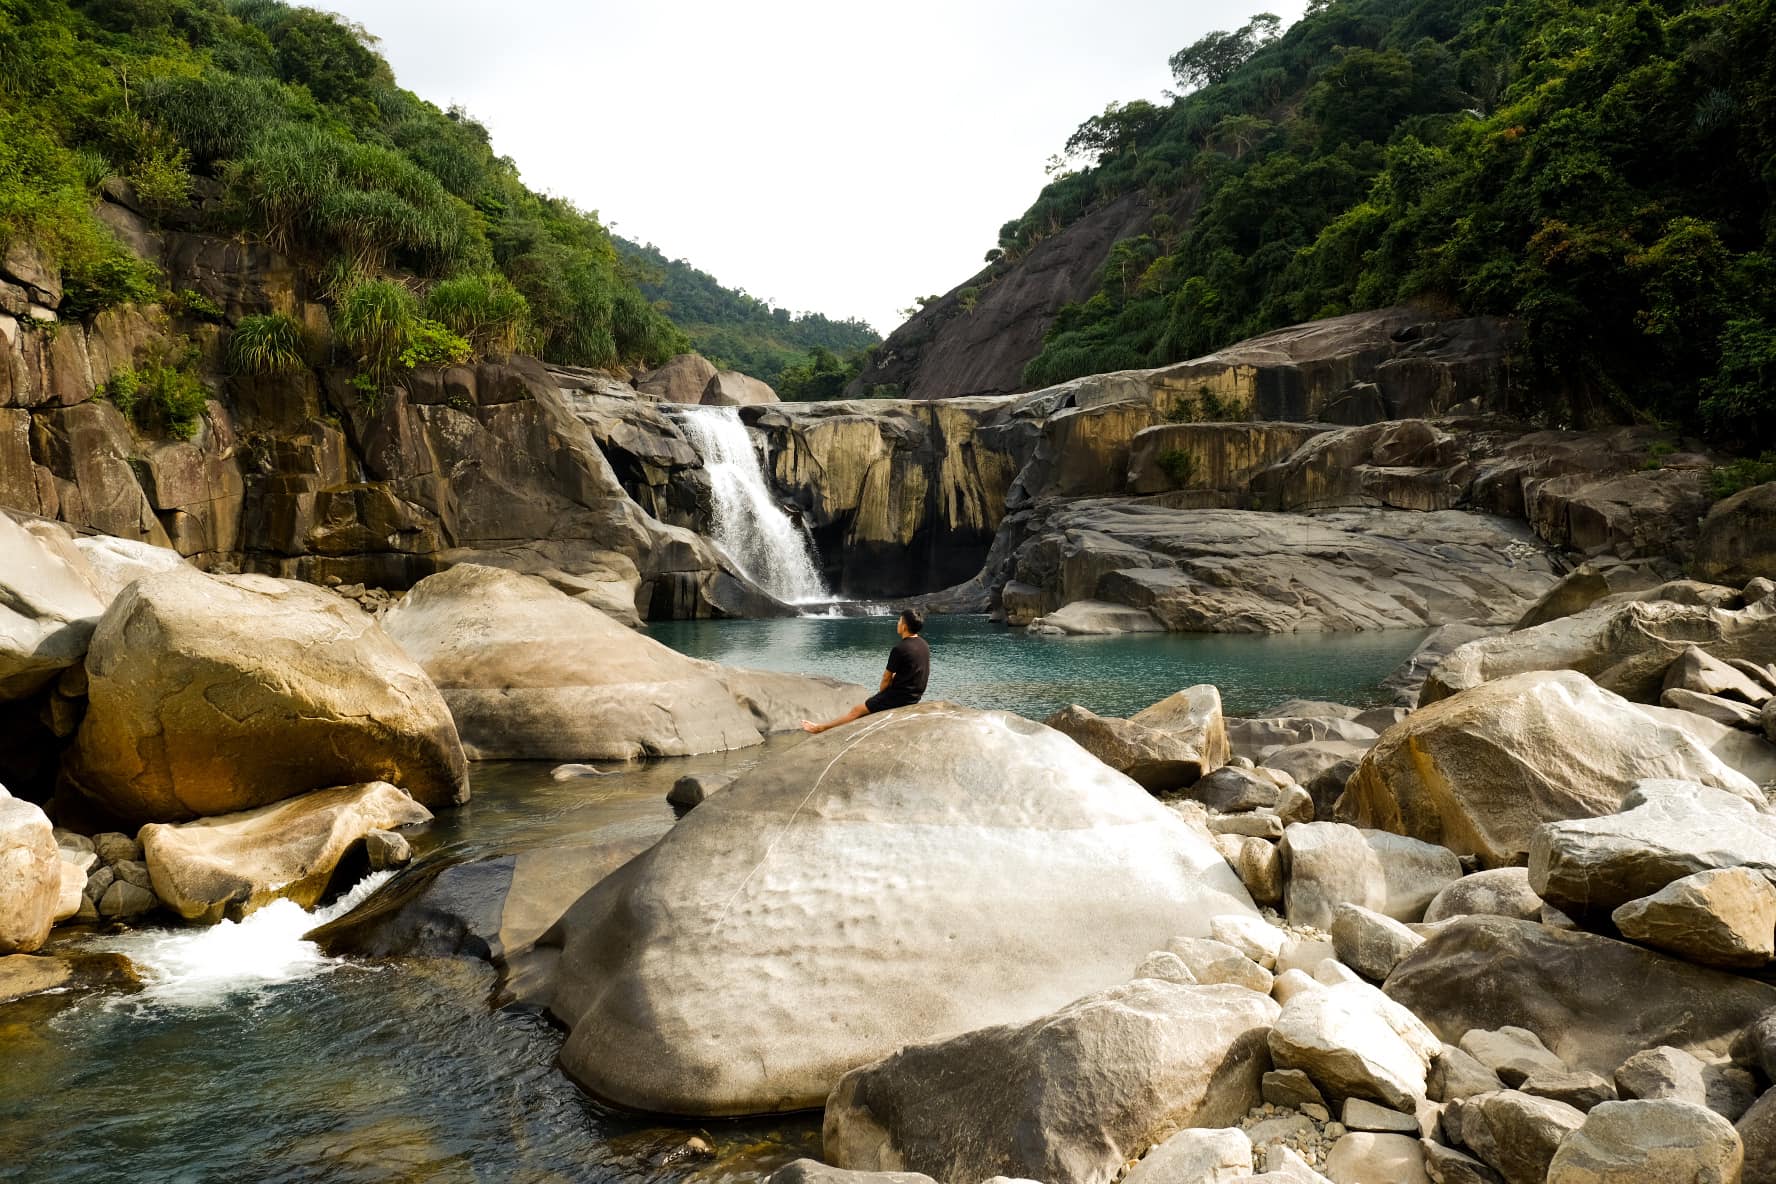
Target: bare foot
{"type": "Point", "coordinates": [813, 728]}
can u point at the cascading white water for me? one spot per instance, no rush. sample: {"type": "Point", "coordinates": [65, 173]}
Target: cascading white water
{"type": "Point", "coordinates": [750, 525]}
{"type": "Point", "coordinates": [201, 967]}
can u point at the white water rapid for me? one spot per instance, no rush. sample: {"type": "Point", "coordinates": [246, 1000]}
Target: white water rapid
{"type": "Point", "coordinates": [201, 967]}
{"type": "Point", "coordinates": [750, 525]}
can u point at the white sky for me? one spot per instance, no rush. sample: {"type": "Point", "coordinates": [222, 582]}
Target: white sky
{"type": "Point", "coordinates": [836, 157]}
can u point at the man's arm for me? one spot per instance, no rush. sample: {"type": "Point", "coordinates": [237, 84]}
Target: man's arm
{"type": "Point", "coordinates": [887, 680]}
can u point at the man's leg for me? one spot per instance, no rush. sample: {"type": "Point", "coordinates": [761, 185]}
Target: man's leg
{"type": "Point", "coordinates": [857, 712]}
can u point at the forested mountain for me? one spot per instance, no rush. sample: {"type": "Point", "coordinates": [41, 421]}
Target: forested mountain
{"type": "Point", "coordinates": [284, 124]}
{"type": "Point", "coordinates": [739, 331]}
{"type": "Point", "coordinates": [1602, 171]}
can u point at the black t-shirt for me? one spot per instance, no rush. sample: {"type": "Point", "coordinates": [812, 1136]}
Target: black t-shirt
{"type": "Point", "coordinates": [910, 664]}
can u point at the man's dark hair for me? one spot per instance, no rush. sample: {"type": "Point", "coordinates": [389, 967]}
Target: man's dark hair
{"type": "Point", "coordinates": [913, 619]}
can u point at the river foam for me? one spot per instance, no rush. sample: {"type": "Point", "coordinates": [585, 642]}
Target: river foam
{"type": "Point", "coordinates": [203, 967]}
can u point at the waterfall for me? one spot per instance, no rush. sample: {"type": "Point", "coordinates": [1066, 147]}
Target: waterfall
{"type": "Point", "coordinates": [763, 541]}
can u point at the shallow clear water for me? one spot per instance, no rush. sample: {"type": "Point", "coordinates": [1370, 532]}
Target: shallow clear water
{"type": "Point", "coordinates": [249, 1056]}
{"type": "Point", "coordinates": [976, 662]}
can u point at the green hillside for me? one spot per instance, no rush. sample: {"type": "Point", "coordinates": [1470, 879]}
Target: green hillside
{"type": "Point", "coordinates": [284, 124]}
{"type": "Point", "coordinates": [741, 332]}
{"type": "Point", "coordinates": [1603, 171]}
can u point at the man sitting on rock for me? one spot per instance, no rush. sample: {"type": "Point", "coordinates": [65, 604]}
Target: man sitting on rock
{"type": "Point", "coordinates": [903, 683]}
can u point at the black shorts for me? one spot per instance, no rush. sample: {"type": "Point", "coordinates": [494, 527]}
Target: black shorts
{"type": "Point", "coordinates": [888, 700]}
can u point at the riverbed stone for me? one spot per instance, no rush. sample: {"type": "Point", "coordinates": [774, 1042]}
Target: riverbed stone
{"type": "Point", "coordinates": [1290, 1088]}
{"type": "Point", "coordinates": [1498, 892]}
{"type": "Point", "coordinates": [1260, 866]}
{"type": "Point", "coordinates": [1331, 863]}
{"type": "Point", "coordinates": [1353, 1044]}
{"type": "Point", "coordinates": [1477, 773]}
{"type": "Point", "coordinates": [1592, 1000]}
{"type": "Point", "coordinates": [1723, 917]}
{"type": "Point", "coordinates": [209, 695]}
{"type": "Point", "coordinates": [1699, 671]}
{"type": "Point", "coordinates": [1757, 1131]}
{"type": "Point", "coordinates": [1458, 1074]}
{"type": "Point", "coordinates": [30, 876]}
{"type": "Point", "coordinates": [1511, 1052]}
{"type": "Point", "coordinates": [1195, 1155]}
{"type": "Point", "coordinates": [1066, 1098]}
{"type": "Point", "coordinates": [1667, 1072]}
{"type": "Point", "coordinates": [123, 900]}
{"type": "Point", "coordinates": [1516, 1134]}
{"type": "Point", "coordinates": [232, 865]}
{"type": "Point", "coordinates": [48, 607]}
{"type": "Point", "coordinates": [919, 854]}
{"type": "Point", "coordinates": [1212, 961]}
{"type": "Point", "coordinates": [1446, 1165]}
{"type": "Point", "coordinates": [1158, 760]}
{"type": "Point", "coordinates": [1648, 1142]}
{"type": "Point", "coordinates": [812, 1171]}
{"type": "Point", "coordinates": [1192, 715]}
{"type": "Point", "coordinates": [1230, 790]}
{"type": "Point", "coordinates": [1369, 942]}
{"type": "Point", "coordinates": [1712, 707]}
{"type": "Point", "coordinates": [1664, 831]}
{"type": "Point", "coordinates": [530, 672]}
{"type": "Point", "coordinates": [1165, 965]}
{"type": "Point", "coordinates": [1362, 1157]}
{"type": "Point", "coordinates": [1577, 1089]}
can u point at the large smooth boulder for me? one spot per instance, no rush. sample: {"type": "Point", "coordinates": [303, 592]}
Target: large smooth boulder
{"type": "Point", "coordinates": [682, 379]}
{"type": "Point", "coordinates": [53, 589]}
{"type": "Point", "coordinates": [1664, 831]}
{"type": "Point", "coordinates": [30, 876]}
{"type": "Point", "coordinates": [235, 864]}
{"type": "Point", "coordinates": [1517, 1134]}
{"type": "Point", "coordinates": [1157, 760]}
{"type": "Point", "coordinates": [1757, 1131]}
{"type": "Point", "coordinates": [1738, 539]}
{"type": "Point", "coordinates": [1478, 772]}
{"type": "Point", "coordinates": [1724, 917]}
{"type": "Point", "coordinates": [730, 388]}
{"type": "Point", "coordinates": [1192, 715]}
{"type": "Point", "coordinates": [1593, 1000]}
{"type": "Point", "coordinates": [531, 673]}
{"type": "Point", "coordinates": [887, 873]}
{"type": "Point", "coordinates": [1624, 646]}
{"type": "Point", "coordinates": [48, 607]}
{"type": "Point", "coordinates": [210, 695]}
{"type": "Point", "coordinates": [1067, 1098]}
{"type": "Point", "coordinates": [1648, 1142]}
{"type": "Point", "coordinates": [1497, 892]}
{"type": "Point", "coordinates": [1331, 863]}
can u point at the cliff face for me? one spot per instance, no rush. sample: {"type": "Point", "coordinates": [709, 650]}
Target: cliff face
{"type": "Point", "coordinates": [304, 475]}
{"type": "Point", "coordinates": [901, 497]}
{"type": "Point", "coordinates": [949, 349]}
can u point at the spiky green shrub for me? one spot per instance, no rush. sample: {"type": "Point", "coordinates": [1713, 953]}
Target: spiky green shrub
{"type": "Point", "coordinates": [380, 322]}
{"type": "Point", "coordinates": [310, 187]}
{"type": "Point", "coordinates": [485, 309]}
{"type": "Point", "coordinates": [271, 344]}
{"type": "Point", "coordinates": [375, 322]}
{"type": "Point", "coordinates": [215, 114]}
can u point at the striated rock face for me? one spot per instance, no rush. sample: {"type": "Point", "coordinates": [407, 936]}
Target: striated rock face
{"type": "Point", "coordinates": [210, 695]}
{"type": "Point", "coordinates": [1067, 1098]}
{"type": "Point", "coordinates": [900, 497]}
{"type": "Point", "coordinates": [530, 673]}
{"type": "Point", "coordinates": [1229, 571]}
{"type": "Point", "coordinates": [303, 475]}
{"type": "Point", "coordinates": [886, 872]}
